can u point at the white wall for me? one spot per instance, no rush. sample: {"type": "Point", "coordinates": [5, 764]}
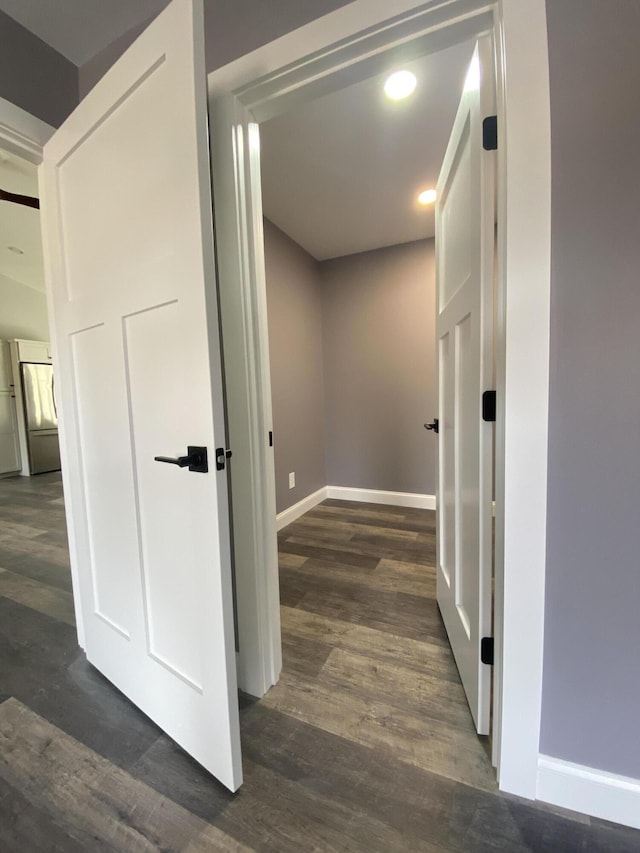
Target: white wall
{"type": "Point", "coordinates": [23, 311]}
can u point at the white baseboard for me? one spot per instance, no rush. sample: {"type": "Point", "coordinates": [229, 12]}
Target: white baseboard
{"type": "Point", "coordinates": [593, 792]}
{"type": "Point", "coordinates": [372, 496]}
{"type": "Point", "coordinates": [375, 496]}
{"type": "Point", "coordinates": [294, 512]}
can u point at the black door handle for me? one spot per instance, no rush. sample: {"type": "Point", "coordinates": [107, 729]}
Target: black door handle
{"type": "Point", "coordinates": [195, 460]}
{"type": "Point", "coordinates": [435, 426]}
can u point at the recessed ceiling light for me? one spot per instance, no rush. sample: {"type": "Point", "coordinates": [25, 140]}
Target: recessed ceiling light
{"type": "Point", "coordinates": [400, 85]}
{"type": "Point", "coordinates": [427, 197]}
{"type": "Point", "coordinates": [15, 250]}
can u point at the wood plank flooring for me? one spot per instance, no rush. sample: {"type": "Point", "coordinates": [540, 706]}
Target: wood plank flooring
{"type": "Point", "coordinates": [366, 743]}
{"type": "Point", "coordinates": [373, 568]}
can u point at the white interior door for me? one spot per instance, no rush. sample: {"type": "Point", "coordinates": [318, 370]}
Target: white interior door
{"type": "Point", "coordinates": [126, 205]}
{"type": "Point", "coordinates": [464, 288]}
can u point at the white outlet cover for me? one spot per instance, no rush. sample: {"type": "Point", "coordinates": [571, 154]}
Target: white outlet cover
{"type": "Point", "coordinates": [292, 480]}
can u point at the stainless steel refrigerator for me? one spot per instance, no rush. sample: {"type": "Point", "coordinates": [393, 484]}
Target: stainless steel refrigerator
{"type": "Point", "coordinates": [41, 418]}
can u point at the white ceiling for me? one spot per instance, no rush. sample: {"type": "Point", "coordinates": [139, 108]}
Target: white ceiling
{"type": "Point", "coordinates": [79, 29]}
{"type": "Point", "coordinates": [19, 225]}
{"type": "Point", "coordinates": [340, 175]}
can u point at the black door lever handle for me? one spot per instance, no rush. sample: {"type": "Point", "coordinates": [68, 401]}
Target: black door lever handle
{"type": "Point", "coordinates": [196, 459]}
{"type": "Point", "coordinates": [181, 461]}
{"type": "Point", "coordinates": [435, 426]}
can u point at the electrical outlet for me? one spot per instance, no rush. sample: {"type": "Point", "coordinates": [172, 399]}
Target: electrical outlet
{"type": "Point", "coordinates": [292, 480]}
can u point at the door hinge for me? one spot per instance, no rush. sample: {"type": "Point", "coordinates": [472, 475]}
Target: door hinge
{"type": "Point", "coordinates": [490, 133]}
{"type": "Point", "coordinates": [270, 438]}
{"type": "Point", "coordinates": [486, 650]}
{"type": "Point", "coordinates": [489, 406]}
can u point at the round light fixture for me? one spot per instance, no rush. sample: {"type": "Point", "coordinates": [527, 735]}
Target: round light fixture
{"type": "Point", "coordinates": [15, 250]}
{"type": "Point", "coordinates": [400, 85]}
{"type": "Point", "coordinates": [427, 197]}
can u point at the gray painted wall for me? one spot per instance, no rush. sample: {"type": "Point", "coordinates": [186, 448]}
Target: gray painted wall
{"type": "Point", "coordinates": [591, 690]}
{"type": "Point", "coordinates": [352, 353]}
{"type": "Point", "coordinates": [97, 66]}
{"type": "Point", "coordinates": [34, 76]}
{"type": "Point", "coordinates": [379, 368]}
{"type": "Point", "coordinates": [231, 30]}
{"type": "Point", "coordinates": [295, 349]}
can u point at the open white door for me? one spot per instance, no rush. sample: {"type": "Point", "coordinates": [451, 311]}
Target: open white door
{"type": "Point", "coordinates": [464, 327]}
{"type": "Point", "coordinates": [126, 204]}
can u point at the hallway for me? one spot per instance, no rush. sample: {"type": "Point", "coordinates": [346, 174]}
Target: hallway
{"type": "Point", "coordinates": [366, 656]}
{"type": "Point", "coordinates": [362, 746]}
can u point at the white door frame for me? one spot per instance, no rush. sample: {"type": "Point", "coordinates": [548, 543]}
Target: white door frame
{"type": "Point", "coordinates": [347, 45]}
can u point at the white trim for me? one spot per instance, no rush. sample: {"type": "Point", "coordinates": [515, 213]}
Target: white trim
{"type": "Point", "coordinates": [378, 496]}
{"type": "Point", "coordinates": [349, 45]}
{"type": "Point", "coordinates": [524, 286]}
{"type": "Point", "coordinates": [356, 37]}
{"type": "Point", "coordinates": [345, 493]}
{"type": "Point", "coordinates": [248, 393]}
{"type": "Point", "coordinates": [21, 133]}
{"type": "Point", "coordinates": [293, 513]}
{"type": "Point", "coordinates": [585, 789]}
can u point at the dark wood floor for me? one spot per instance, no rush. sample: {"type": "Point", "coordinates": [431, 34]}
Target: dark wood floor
{"type": "Point", "coordinates": [366, 743]}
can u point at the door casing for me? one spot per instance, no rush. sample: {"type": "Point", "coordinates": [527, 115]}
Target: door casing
{"type": "Point", "coordinates": [348, 45]}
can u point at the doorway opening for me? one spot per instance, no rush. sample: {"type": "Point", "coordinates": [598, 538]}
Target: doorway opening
{"type": "Point", "coordinates": [463, 200]}
{"type": "Point", "coordinates": [351, 292]}
{"type": "Point", "coordinates": [36, 575]}
{"type": "Point", "coordinates": [266, 85]}
{"type": "Point", "coordinates": [28, 418]}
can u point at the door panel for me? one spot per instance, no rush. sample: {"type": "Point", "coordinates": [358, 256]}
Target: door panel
{"type": "Point", "coordinates": [456, 222]}
{"type": "Point", "coordinates": [126, 205]}
{"type": "Point", "coordinates": [464, 241]}
{"type": "Point", "coordinates": [106, 487]}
